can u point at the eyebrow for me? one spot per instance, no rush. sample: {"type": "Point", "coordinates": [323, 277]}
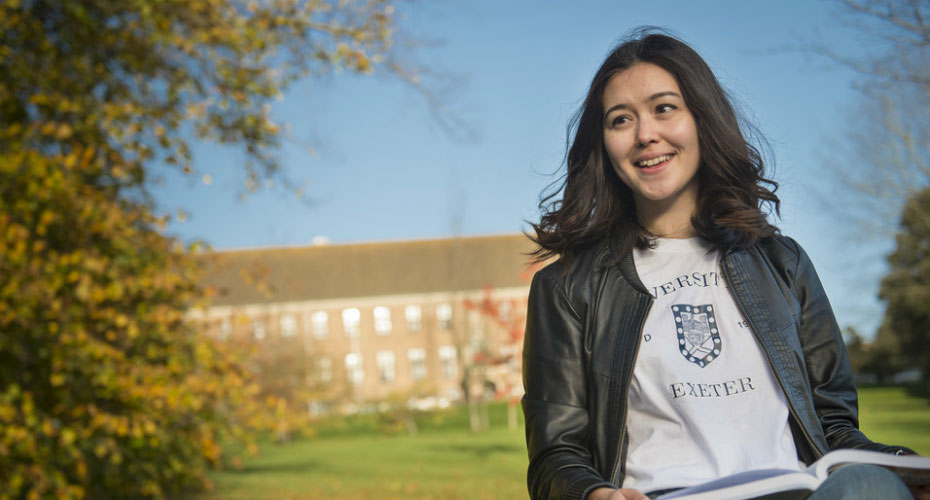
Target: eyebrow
{"type": "Point", "coordinates": [653, 97]}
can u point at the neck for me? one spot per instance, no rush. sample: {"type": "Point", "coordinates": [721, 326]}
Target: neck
{"type": "Point", "coordinates": [671, 220]}
{"type": "Point", "coordinates": [665, 228]}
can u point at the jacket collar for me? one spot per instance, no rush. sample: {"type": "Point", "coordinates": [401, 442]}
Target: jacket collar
{"type": "Point", "coordinates": [623, 260]}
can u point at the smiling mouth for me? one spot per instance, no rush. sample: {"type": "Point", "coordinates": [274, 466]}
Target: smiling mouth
{"type": "Point", "coordinates": [653, 161]}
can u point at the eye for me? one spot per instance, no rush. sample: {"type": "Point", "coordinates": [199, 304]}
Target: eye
{"type": "Point", "coordinates": [665, 108]}
{"type": "Point", "coordinates": [619, 120]}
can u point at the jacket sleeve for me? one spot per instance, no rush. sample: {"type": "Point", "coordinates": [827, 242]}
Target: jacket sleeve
{"type": "Point", "coordinates": [555, 400]}
{"type": "Point", "coordinates": [832, 384]}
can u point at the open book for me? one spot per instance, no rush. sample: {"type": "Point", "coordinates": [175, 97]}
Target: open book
{"type": "Point", "coordinates": [784, 484]}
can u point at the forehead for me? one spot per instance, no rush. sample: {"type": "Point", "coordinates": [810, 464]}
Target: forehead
{"type": "Point", "coordinates": [638, 83]}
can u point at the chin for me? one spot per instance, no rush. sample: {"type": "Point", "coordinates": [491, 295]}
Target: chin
{"type": "Point", "coordinates": [657, 197]}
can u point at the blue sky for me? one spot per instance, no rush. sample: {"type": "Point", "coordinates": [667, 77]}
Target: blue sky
{"type": "Point", "coordinates": [378, 167]}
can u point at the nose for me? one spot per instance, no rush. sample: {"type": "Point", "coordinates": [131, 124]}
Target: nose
{"type": "Point", "coordinates": [646, 131]}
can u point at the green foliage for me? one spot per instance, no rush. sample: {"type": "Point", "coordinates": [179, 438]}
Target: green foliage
{"type": "Point", "coordinates": [880, 358]}
{"type": "Point", "coordinates": [906, 287]}
{"type": "Point", "coordinates": [374, 423]}
{"type": "Point", "coordinates": [106, 391]}
{"type": "Point", "coordinates": [137, 77]}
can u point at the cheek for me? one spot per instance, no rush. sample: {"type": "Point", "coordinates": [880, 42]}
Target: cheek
{"type": "Point", "coordinates": [617, 148]}
{"type": "Point", "coordinates": [685, 134]}
{"type": "Point", "coordinates": [621, 174]}
{"type": "Point", "coordinates": [616, 154]}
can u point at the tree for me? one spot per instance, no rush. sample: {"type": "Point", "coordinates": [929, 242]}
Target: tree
{"type": "Point", "coordinates": [906, 287]}
{"type": "Point", "coordinates": [105, 390]}
{"type": "Point", "coordinates": [506, 318]}
{"type": "Point", "coordinates": [884, 158]}
{"type": "Point", "coordinates": [856, 348]}
{"type": "Point", "coordinates": [878, 359]}
{"type": "Point", "coordinates": [281, 372]}
{"type": "Point", "coordinates": [136, 79]}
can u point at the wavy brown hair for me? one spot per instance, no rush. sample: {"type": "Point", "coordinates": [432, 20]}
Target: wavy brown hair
{"type": "Point", "coordinates": [596, 204]}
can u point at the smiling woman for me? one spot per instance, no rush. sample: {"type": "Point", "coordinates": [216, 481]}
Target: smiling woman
{"type": "Point", "coordinates": [652, 142]}
{"type": "Point", "coordinates": [640, 377]}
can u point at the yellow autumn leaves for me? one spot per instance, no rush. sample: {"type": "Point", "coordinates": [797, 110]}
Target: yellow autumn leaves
{"type": "Point", "coordinates": [106, 390]}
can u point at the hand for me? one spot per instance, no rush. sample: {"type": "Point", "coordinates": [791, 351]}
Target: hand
{"type": "Point", "coordinates": [624, 494]}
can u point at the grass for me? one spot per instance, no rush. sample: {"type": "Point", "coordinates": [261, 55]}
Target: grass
{"type": "Point", "coordinates": [450, 465]}
{"type": "Point", "coordinates": [890, 415]}
{"type": "Point", "coordinates": [350, 459]}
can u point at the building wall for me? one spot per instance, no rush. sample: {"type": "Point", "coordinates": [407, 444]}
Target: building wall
{"type": "Point", "coordinates": [473, 332]}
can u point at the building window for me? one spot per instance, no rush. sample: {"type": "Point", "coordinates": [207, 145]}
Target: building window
{"type": "Point", "coordinates": [417, 359]}
{"type": "Point", "coordinates": [258, 329]}
{"type": "Point", "coordinates": [447, 361]}
{"type": "Point", "coordinates": [288, 325]}
{"type": "Point", "coordinates": [444, 316]}
{"type": "Point", "coordinates": [386, 366]}
{"type": "Point", "coordinates": [324, 367]}
{"type": "Point", "coordinates": [225, 329]}
{"type": "Point", "coordinates": [414, 317]}
{"type": "Point", "coordinates": [351, 319]}
{"type": "Point", "coordinates": [354, 370]}
{"type": "Point", "coordinates": [319, 324]}
{"type": "Point", "coordinates": [382, 320]}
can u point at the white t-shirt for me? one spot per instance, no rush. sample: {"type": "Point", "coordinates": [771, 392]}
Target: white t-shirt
{"type": "Point", "coordinates": [703, 402]}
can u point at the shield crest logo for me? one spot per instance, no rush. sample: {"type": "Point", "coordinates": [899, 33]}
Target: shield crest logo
{"type": "Point", "coordinates": [698, 337]}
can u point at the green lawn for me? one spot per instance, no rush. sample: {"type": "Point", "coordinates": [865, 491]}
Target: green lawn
{"type": "Point", "coordinates": [889, 415]}
{"type": "Point", "coordinates": [448, 465]}
{"type": "Point", "coordinates": [444, 461]}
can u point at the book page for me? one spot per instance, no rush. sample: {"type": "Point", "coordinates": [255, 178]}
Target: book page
{"type": "Point", "coordinates": [783, 484]}
{"type": "Point", "coordinates": [750, 484]}
{"type": "Point", "coordinates": [913, 470]}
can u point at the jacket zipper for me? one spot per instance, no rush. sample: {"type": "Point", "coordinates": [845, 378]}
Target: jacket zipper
{"type": "Point", "coordinates": [626, 396]}
{"type": "Point", "coordinates": [752, 328]}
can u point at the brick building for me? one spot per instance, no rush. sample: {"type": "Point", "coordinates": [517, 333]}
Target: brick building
{"type": "Point", "coordinates": [378, 320]}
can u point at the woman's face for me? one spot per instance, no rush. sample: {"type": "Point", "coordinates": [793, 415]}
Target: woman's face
{"type": "Point", "coordinates": [651, 139]}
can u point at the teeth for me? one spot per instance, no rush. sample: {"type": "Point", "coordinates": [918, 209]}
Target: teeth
{"type": "Point", "coordinates": [654, 161]}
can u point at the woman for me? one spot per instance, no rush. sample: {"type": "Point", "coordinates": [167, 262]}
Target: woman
{"type": "Point", "coordinates": [678, 338]}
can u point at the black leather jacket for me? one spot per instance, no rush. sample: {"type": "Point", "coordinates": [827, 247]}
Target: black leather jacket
{"type": "Point", "coordinates": [582, 337]}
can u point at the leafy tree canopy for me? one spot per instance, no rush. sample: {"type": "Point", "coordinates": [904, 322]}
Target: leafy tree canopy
{"type": "Point", "coordinates": [105, 390]}
{"type": "Point", "coordinates": [138, 78]}
{"type": "Point", "coordinates": [906, 287]}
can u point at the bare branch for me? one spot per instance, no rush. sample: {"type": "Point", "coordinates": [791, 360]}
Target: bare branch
{"type": "Point", "coordinates": [885, 158]}
{"type": "Point", "coordinates": [911, 22]}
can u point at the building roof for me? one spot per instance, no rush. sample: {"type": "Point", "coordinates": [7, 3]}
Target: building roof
{"type": "Point", "coordinates": [320, 272]}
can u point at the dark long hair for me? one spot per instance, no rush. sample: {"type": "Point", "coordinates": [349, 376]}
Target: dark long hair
{"type": "Point", "coordinates": [596, 204]}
